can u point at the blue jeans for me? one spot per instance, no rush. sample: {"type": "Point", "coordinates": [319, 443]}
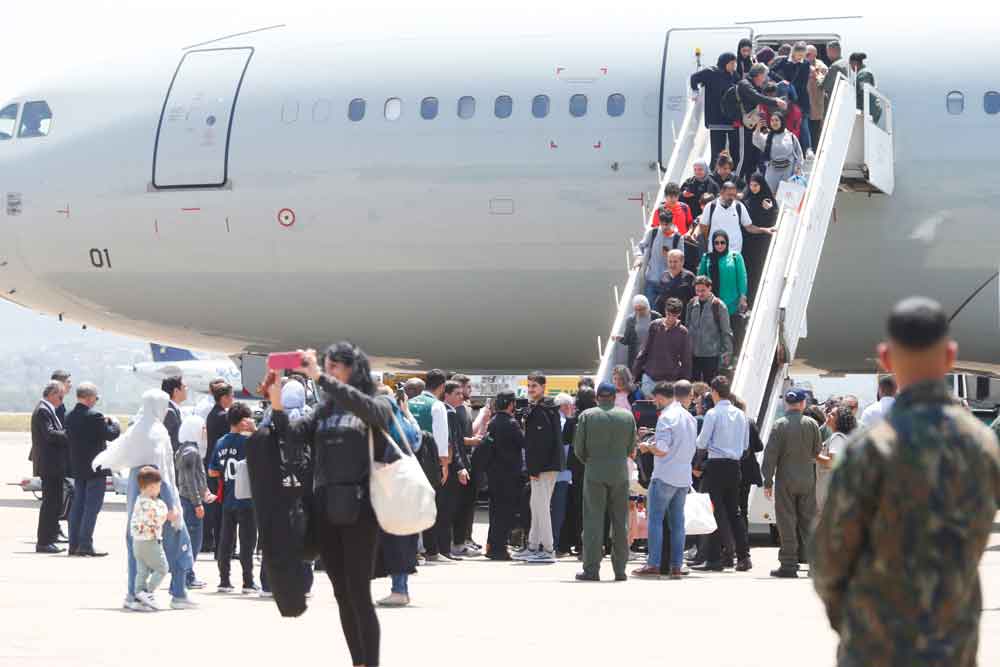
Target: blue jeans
{"type": "Point", "coordinates": [805, 134]}
{"type": "Point", "coordinates": [196, 529]}
{"type": "Point", "coordinates": [399, 583]}
{"type": "Point", "coordinates": [560, 496]}
{"type": "Point", "coordinates": [665, 499]}
{"type": "Point", "coordinates": [168, 497]}
{"type": "Point", "coordinates": [652, 290]}
{"type": "Point", "coordinates": [88, 499]}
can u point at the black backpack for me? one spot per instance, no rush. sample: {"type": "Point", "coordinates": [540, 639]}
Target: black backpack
{"type": "Point", "coordinates": [429, 460]}
{"type": "Point", "coordinates": [730, 105]}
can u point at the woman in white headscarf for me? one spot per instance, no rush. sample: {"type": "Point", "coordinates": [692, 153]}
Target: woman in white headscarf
{"type": "Point", "coordinates": [147, 443]}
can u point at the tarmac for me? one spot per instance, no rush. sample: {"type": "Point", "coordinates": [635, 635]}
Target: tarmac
{"type": "Point", "coordinates": [56, 610]}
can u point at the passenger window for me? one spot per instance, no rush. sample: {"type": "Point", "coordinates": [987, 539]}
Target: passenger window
{"type": "Point", "coordinates": [356, 109]}
{"type": "Point", "coordinates": [616, 104]}
{"type": "Point", "coordinates": [35, 120]}
{"type": "Point", "coordinates": [429, 108]}
{"type": "Point", "coordinates": [578, 106]}
{"type": "Point", "coordinates": [991, 102]}
{"type": "Point", "coordinates": [955, 102]}
{"type": "Point", "coordinates": [393, 108]}
{"type": "Point", "coordinates": [8, 121]}
{"type": "Point", "coordinates": [466, 107]}
{"type": "Point", "coordinates": [540, 106]}
{"type": "Point", "coordinates": [504, 106]}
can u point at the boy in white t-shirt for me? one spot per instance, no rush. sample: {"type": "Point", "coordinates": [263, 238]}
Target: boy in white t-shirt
{"type": "Point", "coordinates": [146, 526]}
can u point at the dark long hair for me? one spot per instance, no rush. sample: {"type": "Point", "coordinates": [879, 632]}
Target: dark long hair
{"type": "Point", "coordinates": [351, 355]}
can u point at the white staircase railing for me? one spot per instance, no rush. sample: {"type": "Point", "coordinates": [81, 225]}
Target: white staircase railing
{"type": "Point", "coordinates": [689, 145]}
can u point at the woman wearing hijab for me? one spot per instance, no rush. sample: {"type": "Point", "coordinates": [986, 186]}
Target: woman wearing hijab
{"type": "Point", "coordinates": [147, 443]}
{"type": "Point", "coordinates": [192, 484]}
{"type": "Point", "coordinates": [759, 200]}
{"type": "Point", "coordinates": [744, 58]}
{"type": "Point", "coordinates": [728, 274]}
{"type": "Point", "coordinates": [339, 432]}
{"type": "Point", "coordinates": [781, 151]}
{"type": "Point", "coordinates": [694, 188]}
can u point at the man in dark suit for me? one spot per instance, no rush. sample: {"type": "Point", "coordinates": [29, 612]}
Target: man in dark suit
{"type": "Point", "coordinates": [89, 432]}
{"type": "Point", "coordinates": [48, 444]}
{"type": "Point", "coordinates": [67, 382]}
{"type": "Point", "coordinates": [175, 388]}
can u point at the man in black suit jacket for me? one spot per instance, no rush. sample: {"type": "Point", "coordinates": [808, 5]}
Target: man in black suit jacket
{"type": "Point", "coordinates": [48, 444]}
{"type": "Point", "coordinates": [89, 432]}
{"type": "Point", "coordinates": [216, 426]}
{"type": "Point", "coordinates": [175, 388]}
{"type": "Point", "coordinates": [67, 382]}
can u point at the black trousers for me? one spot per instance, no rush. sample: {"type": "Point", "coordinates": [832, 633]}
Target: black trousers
{"type": "Point", "coordinates": [749, 156]}
{"type": "Point", "coordinates": [349, 555]}
{"type": "Point", "coordinates": [815, 129]}
{"type": "Point", "coordinates": [505, 494]}
{"type": "Point", "coordinates": [745, 504]}
{"type": "Point", "coordinates": [52, 506]}
{"type": "Point", "coordinates": [437, 540]}
{"type": "Point", "coordinates": [571, 535]}
{"type": "Point", "coordinates": [722, 139]}
{"type": "Point", "coordinates": [465, 510]}
{"type": "Point", "coordinates": [724, 489]}
{"type": "Point", "coordinates": [239, 520]}
{"type": "Point", "coordinates": [704, 369]}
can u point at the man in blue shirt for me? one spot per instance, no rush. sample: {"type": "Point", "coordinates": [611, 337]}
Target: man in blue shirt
{"type": "Point", "coordinates": [673, 448]}
{"type": "Point", "coordinates": [237, 514]}
{"type": "Point", "coordinates": [725, 435]}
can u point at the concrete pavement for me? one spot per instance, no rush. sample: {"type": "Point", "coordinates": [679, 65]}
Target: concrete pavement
{"type": "Point", "coordinates": [56, 610]}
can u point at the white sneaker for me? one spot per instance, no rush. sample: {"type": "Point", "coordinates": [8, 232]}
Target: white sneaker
{"type": "Point", "coordinates": [543, 556]}
{"type": "Point", "coordinates": [458, 551]}
{"type": "Point", "coordinates": [810, 155]}
{"type": "Point", "coordinates": [131, 604]}
{"type": "Point", "coordinates": [183, 603]}
{"type": "Point", "coordinates": [147, 600]}
{"type": "Point", "coordinates": [524, 554]}
{"type": "Point", "coordinates": [266, 594]}
{"type": "Point", "coordinates": [251, 589]}
{"type": "Point", "coordinates": [394, 600]}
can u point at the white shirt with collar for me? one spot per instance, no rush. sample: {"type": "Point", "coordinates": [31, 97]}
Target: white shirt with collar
{"type": "Point", "coordinates": [876, 412]}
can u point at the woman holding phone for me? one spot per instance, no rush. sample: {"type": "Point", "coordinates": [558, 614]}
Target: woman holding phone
{"type": "Point", "coordinates": [759, 200]}
{"type": "Point", "coordinates": [338, 433]}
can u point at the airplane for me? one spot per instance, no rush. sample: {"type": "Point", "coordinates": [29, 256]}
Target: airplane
{"type": "Point", "coordinates": [458, 197]}
{"type": "Point", "coordinates": [197, 373]}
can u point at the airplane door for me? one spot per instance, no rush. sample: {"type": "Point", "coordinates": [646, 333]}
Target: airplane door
{"type": "Point", "coordinates": [685, 51]}
{"type": "Point", "coordinates": [192, 139]}
{"type": "Point", "coordinates": [879, 157]}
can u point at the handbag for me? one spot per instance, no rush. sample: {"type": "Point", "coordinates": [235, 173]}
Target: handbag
{"type": "Point", "coordinates": [750, 118]}
{"type": "Point", "coordinates": [699, 519]}
{"type": "Point", "coordinates": [401, 496]}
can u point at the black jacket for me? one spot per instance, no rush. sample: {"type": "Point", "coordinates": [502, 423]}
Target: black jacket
{"type": "Point", "coordinates": [337, 434]}
{"type": "Point", "coordinates": [697, 189]}
{"type": "Point", "coordinates": [456, 441]}
{"type": "Point", "coordinates": [749, 465]}
{"type": "Point", "coordinates": [88, 432]}
{"type": "Point", "coordinates": [743, 65]}
{"type": "Point", "coordinates": [506, 444]}
{"type": "Point", "coordinates": [48, 443]}
{"type": "Point", "coordinates": [543, 439]}
{"type": "Point", "coordinates": [172, 420]}
{"type": "Point", "coordinates": [216, 426]}
{"type": "Point", "coordinates": [796, 74]}
{"type": "Point", "coordinates": [716, 81]}
{"type": "Point", "coordinates": [750, 97]}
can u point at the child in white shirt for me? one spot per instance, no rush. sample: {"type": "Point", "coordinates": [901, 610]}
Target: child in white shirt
{"type": "Point", "coordinates": [146, 526]}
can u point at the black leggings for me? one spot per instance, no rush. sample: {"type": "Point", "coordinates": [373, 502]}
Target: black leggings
{"type": "Point", "coordinates": [237, 520]}
{"type": "Point", "coordinates": [349, 556]}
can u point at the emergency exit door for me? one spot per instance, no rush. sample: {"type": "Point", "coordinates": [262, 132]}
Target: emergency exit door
{"type": "Point", "coordinates": [192, 139]}
{"type": "Point", "coordinates": [685, 51]}
{"type": "Point", "coordinates": [879, 155]}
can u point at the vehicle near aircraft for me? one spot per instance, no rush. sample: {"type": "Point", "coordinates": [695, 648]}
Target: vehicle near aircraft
{"type": "Point", "coordinates": [197, 372]}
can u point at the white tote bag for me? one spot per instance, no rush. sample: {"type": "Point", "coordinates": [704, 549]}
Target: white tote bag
{"type": "Point", "coordinates": [699, 519]}
{"type": "Point", "coordinates": [242, 488]}
{"type": "Point", "coordinates": [401, 496]}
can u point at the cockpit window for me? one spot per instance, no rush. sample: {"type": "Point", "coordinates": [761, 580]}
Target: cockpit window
{"type": "Point", "coordinates": [8, 121]}
{"type": "Point", "coordinates": [35, 120]}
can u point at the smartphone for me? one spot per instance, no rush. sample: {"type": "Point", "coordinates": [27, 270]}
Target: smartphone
{"type": "Point", "coordinates": [284, 361]}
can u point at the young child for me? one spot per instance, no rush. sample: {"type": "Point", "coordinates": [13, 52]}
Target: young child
{"type": "Point", "coordinates": [146, 526]}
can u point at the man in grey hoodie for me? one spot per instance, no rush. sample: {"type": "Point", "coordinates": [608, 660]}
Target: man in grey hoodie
{"type": "Point", "coordinates": [711, 335]}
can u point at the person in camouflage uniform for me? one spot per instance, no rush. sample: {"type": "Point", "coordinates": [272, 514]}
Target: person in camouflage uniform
{"type": "Point", "coordinates": [909, 513]}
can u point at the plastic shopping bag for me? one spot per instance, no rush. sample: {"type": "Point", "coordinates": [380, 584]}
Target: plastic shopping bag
{"type": "Point", "coordinates": [699, 519]}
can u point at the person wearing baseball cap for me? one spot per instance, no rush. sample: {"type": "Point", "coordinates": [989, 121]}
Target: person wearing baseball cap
{"type": "Point", "coordinates": [789, 465]}
{"type": "Point", "coordinates": [604, 439]}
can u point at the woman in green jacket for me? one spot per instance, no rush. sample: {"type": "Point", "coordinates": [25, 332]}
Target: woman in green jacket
{"type": "Point", "coordinates": [728, 273]}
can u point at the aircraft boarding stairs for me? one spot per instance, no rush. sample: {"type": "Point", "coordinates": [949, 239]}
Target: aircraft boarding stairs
{"type": "Point", "coordinates": [778, 316]}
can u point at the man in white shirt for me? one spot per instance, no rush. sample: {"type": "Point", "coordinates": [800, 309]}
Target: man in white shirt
{"type": "Point", "coordinates": [879, 410]}
{"type": "Point", "coordinates": [730, 216]}
{"type": "Point", "coordinates": [673, 448]}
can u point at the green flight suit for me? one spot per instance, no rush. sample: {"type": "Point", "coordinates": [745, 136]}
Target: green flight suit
{"type": "Point", "coordinates": [911, 505]}
{"type": "Point", "coordinates": [603, 442]}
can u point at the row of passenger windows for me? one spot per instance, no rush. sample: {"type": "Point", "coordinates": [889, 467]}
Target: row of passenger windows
{"type": "Point", "coordinates": [955, 102]}
{"type": "Point", "coordinates": [503, 107]}
{"type": "Point", "coordinates": [36, 117]}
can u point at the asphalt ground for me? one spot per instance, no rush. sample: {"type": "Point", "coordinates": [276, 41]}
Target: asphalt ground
{"type": "Point", "coordinates": [56, 610]}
